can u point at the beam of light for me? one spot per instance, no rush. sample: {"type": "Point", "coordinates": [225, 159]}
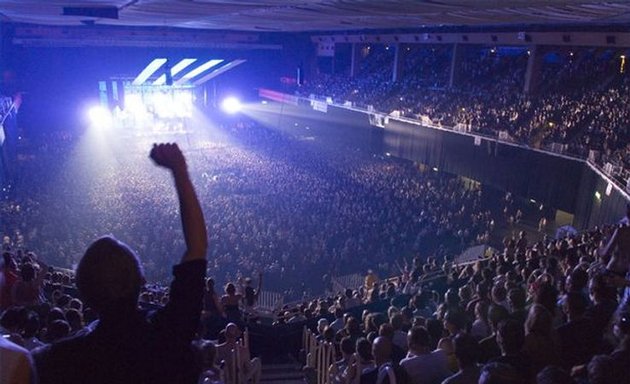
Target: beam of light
{"type": "Point", "coordinates": [199, 70]}
{"type": "Point", "coordinates": [231, 105]}
{"type": "Point", "coordinates": [100, 117]}
{"type": "Point", "coordinates": [217, 72]}
{"type": "Point", "coordinates": [149, 70]}
{"type": "Point", "coordinates": [177, 68]}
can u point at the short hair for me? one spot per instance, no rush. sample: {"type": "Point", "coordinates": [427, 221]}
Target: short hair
{"type": "Point", "coordinates": [466, 349]}
{"type": "Point", "coordinates": [418, 336]}
{"type": "Point", "coordinates": [347, 346]}
{"type": "Point", "coordinates": [517, 297]}
{"type": "Point", "coordinates": [457, 318]}
{"type": "Point", "coordinates": [109, 275]}
{"type": "Point", "coordinates": [397, 321]}
{"type": "Point", "coordinates": [386, 330]}
{"type": "Point", "coordinates": [58, 329]}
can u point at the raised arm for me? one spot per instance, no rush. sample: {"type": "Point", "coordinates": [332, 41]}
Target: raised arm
{"type": "Point", "coordinates": [259, 289]}
{"type": "Point", "coordinates": [169, 156]}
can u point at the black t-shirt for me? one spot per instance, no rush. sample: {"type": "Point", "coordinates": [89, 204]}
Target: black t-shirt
{"type": "Point", "coordinates": [140, 347]}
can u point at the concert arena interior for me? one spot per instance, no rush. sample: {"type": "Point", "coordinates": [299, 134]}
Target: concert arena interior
{"type": "Point", "coordinates": [315, 192]}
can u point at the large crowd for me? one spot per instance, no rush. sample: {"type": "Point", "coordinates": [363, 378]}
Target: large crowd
{"type": "Point", "coordinates": [274, 206]}
{"type": "Point", "coordinates": [578, 105]}
{"type": "Point", "coordinates": [295, 212]}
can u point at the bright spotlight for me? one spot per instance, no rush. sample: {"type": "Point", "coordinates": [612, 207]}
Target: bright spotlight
{"type": "Point", "coordinates": [100, 116]}
{"type": "Point", "coordinates": [231, 105]}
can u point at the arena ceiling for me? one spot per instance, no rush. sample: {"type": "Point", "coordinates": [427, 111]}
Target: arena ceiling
{"type": "Point", "coordinates": [320, 15]}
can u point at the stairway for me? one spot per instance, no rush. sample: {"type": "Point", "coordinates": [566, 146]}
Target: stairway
{"type": "Point", "coordinates": [286, 373]}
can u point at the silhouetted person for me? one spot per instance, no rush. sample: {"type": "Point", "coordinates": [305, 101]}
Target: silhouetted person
{"type": "Point", "coordinates": [128, 345]}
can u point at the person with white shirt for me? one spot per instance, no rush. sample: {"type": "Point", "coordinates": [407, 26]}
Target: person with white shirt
{"type": "Point", "coordinates": [338, 324]}
{"type": "Point", "coordinates": [422, 365]}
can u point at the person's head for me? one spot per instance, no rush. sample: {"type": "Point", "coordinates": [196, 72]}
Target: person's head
{"type": "Point", "coordinates": [574, 305]}
{"type": "Point", "coordinates": [516, 299]}
{"type": "Point", "coordinates": [206, 353]}
{"type": "Point", "coordinates": [382, 350]}
{"type": "Point", "coordinates": [321, 325]}
{"type": "Point", "coordinates": [600, 290]}
{"type": "Point", "coordinates": [58, 330]}
{"type": "Point", "coordinates": [364, 349]}
{"type": "Point", "coordinates": [510, 337]}
{"type": "Point", "coordinates": [230, 289]}
{"type": "Point", "coordinates": [397, 321]}
{"type": "Point", "coordinates": [76, 304]}
{"type": "Point", "coordinates": [498, 373]}
{"type": "Point", "coordinates": [547, 296]}
{"type": "Point", "coordinates": [418, 339]}
{"type": "Point", "coordinates": [347, 347]}
{"type": "Point", "coordinates": [232, 333]}
{"type": "Point", "coordinates": [454, 322]}
{"type": "Point", "coordinates": [576, 281]}
{"type": "Point", "coordinates": [498, 294]}
{"type": "Point", "coordinates": [496, 314]}
{"type": "Point", "coordinates": [554, 375]}
{"type": "Point", "coordinates": [109, 276]}
{"type": "Point", "coordinates": [75, 319]}
{"type": "Point", "coordinates": [11, 319]}
{"type": "Point", "coordinates": [31, 326]}
{"type": "Point", "coordinates": [466, 350]}
{"type": "Point", "coordinates": [338, 313]}
{"type": "Point", "coordinates": [386, 330]}
{"type": "Point", "coordinates": [539, 321]}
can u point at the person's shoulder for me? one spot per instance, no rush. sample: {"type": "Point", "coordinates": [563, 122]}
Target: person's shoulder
{"type": "Point", "coordinates": [9, 347]}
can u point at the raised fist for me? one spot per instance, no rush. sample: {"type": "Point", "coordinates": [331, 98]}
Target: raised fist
{"type": "Point", "coordinates": [168, 156]}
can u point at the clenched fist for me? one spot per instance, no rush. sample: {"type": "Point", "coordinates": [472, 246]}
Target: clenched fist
{"type": "Point", "coordinates": [168, 156]}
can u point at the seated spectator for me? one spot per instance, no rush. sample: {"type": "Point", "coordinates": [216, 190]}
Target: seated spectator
{"type": "Point", "coordinates": [511, 338]}
{"type": "Point", "coordinates": [540, 339]}
{"type": "Point", "coordinates": [363, 362]}
{"type": "Point", "coordinates": [338, 370]}
{"type": "Point", "coordinates": [421, 364]}
{"type": "Point", "coordinates": [466, 352]}
{"type": "Point", "coordinates": [127, 345]}
{"type": "Point", "coordinates": [578, 341]}
{"type": "Point", "coordinates": [385, 372]}
{"type": "Point", "coordinates": [488, 347]}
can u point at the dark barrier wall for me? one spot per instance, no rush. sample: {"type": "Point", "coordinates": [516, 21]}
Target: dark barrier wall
{"type": "Point", "coordinates": [556, 181]}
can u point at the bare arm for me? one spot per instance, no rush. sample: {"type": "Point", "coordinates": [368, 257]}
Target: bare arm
{"type": "Point", "coordinates": [193, 223]}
